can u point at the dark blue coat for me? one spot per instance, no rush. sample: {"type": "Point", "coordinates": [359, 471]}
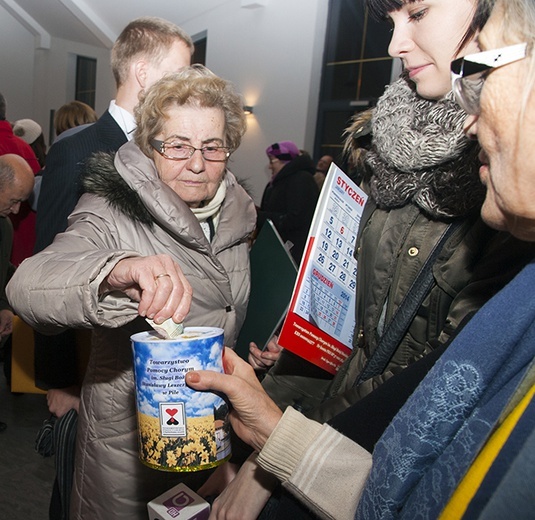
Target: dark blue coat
{"type": "Point", "coordinates": [289, 200]}
{"type": "Point", "coordinates": [61, 188]}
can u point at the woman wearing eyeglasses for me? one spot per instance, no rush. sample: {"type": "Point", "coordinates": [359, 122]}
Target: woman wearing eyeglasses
{"type": "Point", "coordinates": [425, 200]}
{"type": "Point", "coordinates": [162, 213]}
{"type": "Point", "coordinates": [463, 445]}
{"type": "Point", "coordinates": [423, 215]}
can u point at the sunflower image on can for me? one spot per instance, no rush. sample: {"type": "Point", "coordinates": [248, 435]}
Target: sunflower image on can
{"type": "Point", "coordinates": [180, 429]}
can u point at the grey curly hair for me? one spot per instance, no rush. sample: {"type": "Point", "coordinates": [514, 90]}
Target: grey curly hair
{"type": "Point", "coordinates": [195, 85]}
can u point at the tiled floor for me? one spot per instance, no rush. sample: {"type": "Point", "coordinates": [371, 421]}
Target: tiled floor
{"type": "Point", "coordinates": [26, 477]}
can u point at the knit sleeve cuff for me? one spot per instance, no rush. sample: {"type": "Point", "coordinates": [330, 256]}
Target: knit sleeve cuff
{"type": "Point", "coordinates": [288, 443]}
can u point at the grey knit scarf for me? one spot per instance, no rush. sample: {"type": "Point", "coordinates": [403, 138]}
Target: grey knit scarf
{"type": "Point", "coordinates": [420, 155]}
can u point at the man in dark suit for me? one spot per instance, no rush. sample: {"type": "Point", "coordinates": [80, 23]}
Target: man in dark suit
{"type": "Point", "coordinates": [147, 49]}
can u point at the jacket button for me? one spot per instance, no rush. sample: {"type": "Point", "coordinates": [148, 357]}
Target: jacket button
{"type": "Point", "coordinates": [360, 338]}
{"type": "Point", "coordinates": [413, 251]}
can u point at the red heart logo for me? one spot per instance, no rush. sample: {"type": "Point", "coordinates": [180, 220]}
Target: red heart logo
{"type": "Point", "coordinates": [171, 411]}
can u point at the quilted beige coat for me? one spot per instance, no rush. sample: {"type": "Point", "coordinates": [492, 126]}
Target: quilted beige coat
{"type": "Point", "coordinates": [127, 211]}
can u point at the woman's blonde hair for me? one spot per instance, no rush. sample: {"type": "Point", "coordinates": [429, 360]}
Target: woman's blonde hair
{"type": "Point", "coordinates": [197, 86]}
{"type": "Point", "coordinates": [73, 114]}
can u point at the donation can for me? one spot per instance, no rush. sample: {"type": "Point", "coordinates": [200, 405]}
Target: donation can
{"type": "Point", "coordinates": [179, 428]}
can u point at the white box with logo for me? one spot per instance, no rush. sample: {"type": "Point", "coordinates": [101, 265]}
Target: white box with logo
{"type": "Point", "coordinates": [179, 503]}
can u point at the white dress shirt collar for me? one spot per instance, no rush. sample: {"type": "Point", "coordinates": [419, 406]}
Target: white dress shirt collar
{"type": "Point", "coordinates": [123, 118]}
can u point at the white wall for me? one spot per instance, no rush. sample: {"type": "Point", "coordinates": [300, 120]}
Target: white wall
{"type": "Point", "coordinates": [55, 73]}
{"type": "Point", "coordinates": [272, 54]}
{"type": "Point", "coordinates": [16, 67]}
{"type": "Point", "coordinates": [35, 81]}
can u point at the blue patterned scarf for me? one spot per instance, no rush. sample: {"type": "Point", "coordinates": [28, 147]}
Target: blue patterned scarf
{"type": "Point", "coordinates": [430, 444]}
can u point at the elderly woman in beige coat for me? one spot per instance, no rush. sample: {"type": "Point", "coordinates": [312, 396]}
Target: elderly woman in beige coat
{"type": "Point", "coordinates": [161, 230]}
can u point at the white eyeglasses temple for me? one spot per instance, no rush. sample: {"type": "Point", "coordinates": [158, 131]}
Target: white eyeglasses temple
{"type": "Point", "coordinates": [499, 57]}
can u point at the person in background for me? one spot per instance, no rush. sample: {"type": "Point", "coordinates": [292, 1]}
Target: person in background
{"type": "Point", "coordinates": [16, 183]}
{"type": "Point", "coordinates": [422, 216]}
{"type": "Point", "coordinates": [162, 225]}
{"type": "Point", "coordinates": [10, 143]}
{"type": "Point", "coordinates": [72, 117]}
{"type": "Point", "coordinates": [24, 219]}
{"type": "Point", "coordinates": [146, 49]}
{"type": "Point", "coordinates": [322, 167]}
{"type": "Point", "coordinates": [463, 444]}
{"type": "Point", "coordinates": [308, 163]}
{"type": "Point", "coordinates": [32, 133]}
{"type": "Point", "coordinates": [69, 119]}
{"type": "Point", "coordinates": [290, 197]}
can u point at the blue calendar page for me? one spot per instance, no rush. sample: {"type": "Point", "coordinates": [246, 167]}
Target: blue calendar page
{"type": "Point", "coordinates": [321, 318]}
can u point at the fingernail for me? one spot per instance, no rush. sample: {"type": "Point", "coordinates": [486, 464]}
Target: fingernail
{"type": "Point", "coordinates": [193, 377]}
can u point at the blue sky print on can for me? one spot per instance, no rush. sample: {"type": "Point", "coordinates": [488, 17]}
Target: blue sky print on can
{"type": "Point", "coordinates": [161, 365]}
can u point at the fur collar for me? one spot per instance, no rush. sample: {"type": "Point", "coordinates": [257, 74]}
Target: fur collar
{"type": "Point", "coordinates": [420, 155]}
{"type": "Point", "coordinates": [102, 178]}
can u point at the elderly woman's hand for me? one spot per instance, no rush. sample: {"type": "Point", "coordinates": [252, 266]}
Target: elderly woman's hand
{"type": "Point", "coordinates": [253, 415]}
{"type": "Point", "coordinates": [156, 282]}
{"type": "Point", "coordinates": [264, 359]}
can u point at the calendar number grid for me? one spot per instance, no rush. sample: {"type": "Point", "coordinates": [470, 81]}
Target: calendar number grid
{"type": "Point", "coordinates": [325, 300]}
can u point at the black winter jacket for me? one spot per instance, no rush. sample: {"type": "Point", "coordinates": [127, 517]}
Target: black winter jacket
{"type": "Point", "coordinates": [289, 200]}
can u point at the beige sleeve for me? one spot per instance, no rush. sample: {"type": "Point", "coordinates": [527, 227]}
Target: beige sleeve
{"type": "Point", "coordinates": [324, 469]}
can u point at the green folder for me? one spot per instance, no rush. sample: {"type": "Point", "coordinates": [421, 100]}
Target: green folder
{"type": "Point", "coordinates": [273, 275]}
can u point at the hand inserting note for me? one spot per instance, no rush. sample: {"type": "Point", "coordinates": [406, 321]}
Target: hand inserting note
{"type": "Point", "coordinates": [168, 329]}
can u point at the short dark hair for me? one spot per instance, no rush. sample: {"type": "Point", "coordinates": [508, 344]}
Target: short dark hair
{"type": "Point", "coordinates": [2, 107]}
{"type": "Point", "coordinates": [379, 9]}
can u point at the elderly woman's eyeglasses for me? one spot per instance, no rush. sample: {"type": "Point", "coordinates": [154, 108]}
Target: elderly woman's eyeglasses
{"type": "Point", "coordinates": [179, 151]}
{"type": "Point", "coordinates": [468, 74]}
